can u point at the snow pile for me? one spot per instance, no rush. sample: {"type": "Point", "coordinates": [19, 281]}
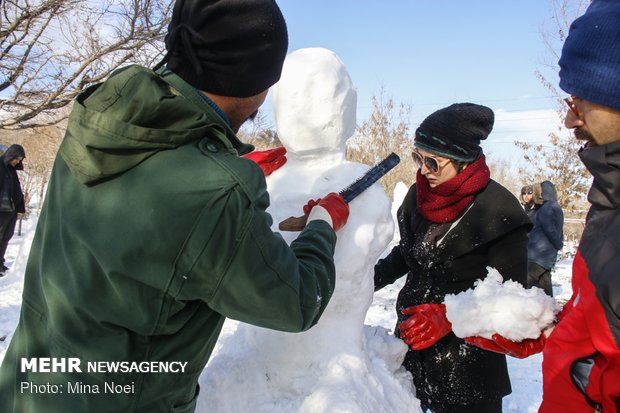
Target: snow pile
{"type": "Point", "coordinates": [505, 308]}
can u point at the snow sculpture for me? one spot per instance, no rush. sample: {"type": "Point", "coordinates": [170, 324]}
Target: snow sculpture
{"type": "Point", "coordinates": [339, 365]}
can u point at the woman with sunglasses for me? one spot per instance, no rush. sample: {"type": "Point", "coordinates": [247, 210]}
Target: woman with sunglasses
{"type": "Point", "coordinates": [454, 223]}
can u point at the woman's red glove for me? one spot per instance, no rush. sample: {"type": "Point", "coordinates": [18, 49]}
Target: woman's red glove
{"type": "Point", "coordinates": [268, 160]}
{"type": "Point", "coordinates": [502, 345]}
{"type": "Point", "coordinates": [426, 326]}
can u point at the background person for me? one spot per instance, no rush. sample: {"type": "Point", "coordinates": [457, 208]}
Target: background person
{"type": "Point", "coordinates": [154, 228]}
{"type": "Point", "coordinates": [545, 240]}
{"type": "Point", "coordinates": [11, 197]}
{"type": "Point", "coordinates": [454, 223]}
{"type": "Point", "coordinates": [527, 200]}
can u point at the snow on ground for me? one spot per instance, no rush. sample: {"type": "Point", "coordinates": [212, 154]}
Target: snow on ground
{"type": "Point", "coordinates": [525, 374]}
{"type": "Point", "coordinates": [11, 284]}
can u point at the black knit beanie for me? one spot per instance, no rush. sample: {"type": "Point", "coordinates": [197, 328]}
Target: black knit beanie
{"type": "Point", "coordinates": [455, 132]}
{"type": "Point", "coordinates": [227, 47]}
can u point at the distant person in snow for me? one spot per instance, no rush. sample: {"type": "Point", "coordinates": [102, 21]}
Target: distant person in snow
{"type": "Point", "coordinates": [581, 361]}
{"type": "Point", "coordinates": [527, 200]}
{"type": "Point", "coordinates": [11, 197]}
{"type": "Point", "coordinates": [545, 240]}
{"type": "Point", "coordinates": [454, 223]}
{"type": "Point", "coordinates": [155, 229]}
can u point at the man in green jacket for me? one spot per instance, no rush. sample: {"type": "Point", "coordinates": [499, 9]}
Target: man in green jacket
{"type": "Point", "coordinates": [154, 228]}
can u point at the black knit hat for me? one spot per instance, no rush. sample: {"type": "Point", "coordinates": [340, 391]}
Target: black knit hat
{"type": "Point", "coordinates": [227, 47]}
{"type": "Point", "coordinates": [456, 131]}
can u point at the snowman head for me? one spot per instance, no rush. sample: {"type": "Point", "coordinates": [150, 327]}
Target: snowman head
{"type": "Point", "coordinates": [314, 104]}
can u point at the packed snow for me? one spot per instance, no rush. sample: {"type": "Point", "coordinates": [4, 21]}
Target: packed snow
{"type": "Point", "coordinates": [339, 365]}
{"type": "Point", "coordinates": [349, 361]}
{"type": "Point", "coordinates": [498, 306]}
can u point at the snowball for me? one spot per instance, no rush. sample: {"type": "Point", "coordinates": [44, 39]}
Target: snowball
{"type": "Point", "coordinates": [500, 307]}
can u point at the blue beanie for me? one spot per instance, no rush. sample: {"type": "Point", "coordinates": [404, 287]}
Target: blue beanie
{"type": "Point", "coordinates": [590, 60]}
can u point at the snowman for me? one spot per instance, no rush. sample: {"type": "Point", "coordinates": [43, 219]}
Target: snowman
{"type": "Point", "coordinates": [339, 365]}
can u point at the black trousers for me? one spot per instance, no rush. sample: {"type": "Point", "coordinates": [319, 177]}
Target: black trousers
{"type": "Point", "coordinates": [540, 277]}
{"type": "Point", "coordinates": [7, 228]}
{"type": "Point", "coordinates": [491, 406]}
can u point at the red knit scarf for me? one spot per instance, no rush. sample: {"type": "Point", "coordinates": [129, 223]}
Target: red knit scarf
{"type": "Point", "coordinates": [447, 200]}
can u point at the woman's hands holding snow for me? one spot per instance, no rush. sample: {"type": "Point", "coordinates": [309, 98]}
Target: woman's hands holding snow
{"type": "Point", "coordinates": [426, 325]}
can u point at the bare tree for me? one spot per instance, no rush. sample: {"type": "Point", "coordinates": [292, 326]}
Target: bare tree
{"type": "Point", "coordinates": [557, 162]}
{"type": "Point", "coordinates": [51, 49]}
{"type": "Point", "coordinates": [386, 130]}
{"type": "Point", "coordinates": [503, 172]}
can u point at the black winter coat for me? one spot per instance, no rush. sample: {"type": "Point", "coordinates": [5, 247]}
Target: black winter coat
{"type": "Point", "coordinates": [11, 195]}
{"type": "Point", "coordinates": [492, 233]}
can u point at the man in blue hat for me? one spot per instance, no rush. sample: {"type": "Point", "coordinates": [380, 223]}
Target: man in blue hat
{"type": "Point", "coordinates": [581, 356]}
{"type": "Point", "coordinates": [581, 359]}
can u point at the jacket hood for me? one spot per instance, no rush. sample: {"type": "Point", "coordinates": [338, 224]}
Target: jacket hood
{"type": "Point", "coordinates": [134, 114]}
{"type": "Point", "coordinates": [14, 151]}
{"type": "Point", "coordinates": [537, 197]}
{"type": "Point", "coordinates": [548, 191]}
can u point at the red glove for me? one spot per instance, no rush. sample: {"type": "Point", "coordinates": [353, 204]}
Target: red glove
{"type": "Point", "coordinates": [427, 325]}
{"type": "Point", "coordinates": [334, 204]}
{"type": "Point", "coordinates": [502, 345]}
{"type": "Point", "coordinates": [311, 204]}
{"type": "Point", "coordinates": [268, 160]}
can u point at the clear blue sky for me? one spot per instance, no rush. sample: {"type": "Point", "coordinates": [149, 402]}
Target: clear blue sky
{"type": "Point", "coordinates": [427, 52]}
{"type": "Point", "coordinates": [432, 53]}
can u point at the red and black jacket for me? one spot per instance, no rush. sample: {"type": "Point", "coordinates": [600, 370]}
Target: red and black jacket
{"type": "Point", "coordinates": [581, 361]}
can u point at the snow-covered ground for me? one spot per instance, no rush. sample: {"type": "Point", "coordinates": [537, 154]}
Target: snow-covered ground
{"type": "Point", "coordinates": [525, 374]}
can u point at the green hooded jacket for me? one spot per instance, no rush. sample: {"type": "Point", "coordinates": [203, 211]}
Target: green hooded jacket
{"type": "Point", "coordinates": [153, 231]}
